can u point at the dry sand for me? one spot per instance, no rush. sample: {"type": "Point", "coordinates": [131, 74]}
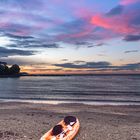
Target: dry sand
{"type": "Point", "coordinates": [26, 121]}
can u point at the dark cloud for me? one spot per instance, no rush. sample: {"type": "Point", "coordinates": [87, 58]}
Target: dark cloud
{"type": "Point", "coordinates": [79, 61]}
{"type": "Point", "coordinates": [134, 66]}
{"type": "Point", "coordinates": [102, 64]}
{"type": "Point", "coordinates": [115, 11]}
{"type": "Point", "coordinates": [18, 36]}
{"type": "Point", "coordinates": [44, 70]}
{"type": "Point", "coordinates": [53, 45]}
{"type": "Point", "coordinates": [81, 43]}
{"type": "Point", "coordinates": [96, 45]}
{"type": "Point", "coordinates": [28, 42]}
{"type": "Point", "coordinates": [64, 59]}
{"type": "Point", "coordinates": [131, 51]}
{"type": "Point", "coordinates": [25, 43]}
{"type": "Point", "coordinates": [132, 38]}
{"type": "Point", "coordinates": [127, 67]}
{"type": "Point", "coordinates": [5, 52]}
{"type": "Point", "coordinates": [89, 44]}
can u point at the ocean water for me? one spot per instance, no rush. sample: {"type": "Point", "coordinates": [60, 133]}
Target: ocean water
{"type": "Point", "coordinates": [106, 89]}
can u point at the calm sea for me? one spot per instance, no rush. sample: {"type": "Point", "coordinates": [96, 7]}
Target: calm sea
{"type": "Point", "coordinates": [107, 89]}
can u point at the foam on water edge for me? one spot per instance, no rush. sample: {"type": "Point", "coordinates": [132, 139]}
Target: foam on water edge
{"type": "Point", "coordinates": [68, 102]}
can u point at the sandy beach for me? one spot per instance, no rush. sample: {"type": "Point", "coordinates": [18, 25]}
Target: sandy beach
{"type": "Point", "coordinates": [29, 121]}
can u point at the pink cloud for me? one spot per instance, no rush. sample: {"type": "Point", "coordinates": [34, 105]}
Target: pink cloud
{"type": "Point", "coordinates": [127, 2]}
{"type": "Point", "coordinates": [118, 24]}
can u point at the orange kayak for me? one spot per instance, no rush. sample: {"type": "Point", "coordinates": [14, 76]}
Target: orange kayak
{"type": "Point", "coordinates": [66, 129]}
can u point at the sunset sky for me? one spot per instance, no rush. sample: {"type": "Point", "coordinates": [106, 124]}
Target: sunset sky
{"type": "Point", "coordinates": [71, 36]}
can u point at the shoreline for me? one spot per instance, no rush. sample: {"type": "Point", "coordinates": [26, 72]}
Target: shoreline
{"type": "Point", "coordinates": [29, 121]}
{"type": "Point", "coordinates": [57, 102]}
{"type": "Point", "coordinates": [95, 74]}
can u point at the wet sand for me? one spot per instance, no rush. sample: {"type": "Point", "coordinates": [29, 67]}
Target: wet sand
{"type": "Point", "coordinates": [28, 121]}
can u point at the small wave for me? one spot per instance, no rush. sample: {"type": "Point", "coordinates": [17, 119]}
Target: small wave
{"type": "Point", "coordinates": [87, 102]}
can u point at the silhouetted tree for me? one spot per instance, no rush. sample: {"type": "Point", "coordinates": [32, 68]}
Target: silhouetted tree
{"type": "Point", "coordinates": [15, 69]}
{"type": "Point", "coordinates": [2, 69]}
{"type": "Point", "coordinates": [5, 70]}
